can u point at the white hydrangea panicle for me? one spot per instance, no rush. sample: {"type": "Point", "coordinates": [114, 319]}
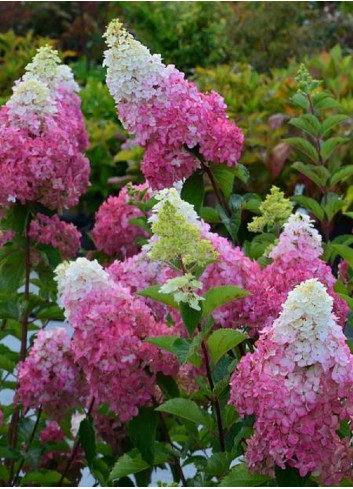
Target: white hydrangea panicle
{"type": "Point", "coordinates": [133, 72]}
{"type": "Point", "coordinates": [299, 234]}
{"type": "Point", "coordinates": [77, 278]}
{"type": "Point", "coordinates": [30, 103]}
{"type": "Point", "coordinates": [183, 290]}
{"type": "Point", "coordinates": [305, 324]}
{"type": "Point", "coordinates": [46, 66]}
{"type": "Point", "coordinates": [172, 195]}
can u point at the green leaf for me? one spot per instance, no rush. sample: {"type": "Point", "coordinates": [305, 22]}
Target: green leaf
{"type": "Point", "coordinates": [333, 204]}
{"type": "Point", "coordinates": [242, 173]}
{"type": "Point", "coordinates": [43, 477]}
{"type": "Point", "coordinates": [186, 409]}
{"type": "Point", "coordinates": [88, 439]}
{"type": "Point", "coordinates": [240, 476]}
{"type": "Point", "coordinates": [231, 223]}
{"type": "Point", "coordinates": [304, 147]}
{"type": "Point", "coordinates": [210, 215]}
{"type": "Point", "coordinates": [223, 340]}
{"type": "Point", "coordinates": [193, 191]}
{"type": "Point", "coordinates": [12, 271]}
{"type": "Point", "coordinates": [153, 293]}
{"type": "Point", "coordinates": [330, 145]}
{"type": "Point", "coordinates": [53, 312]}
{"type": "Point", "coordinates": [308, 123]}
{"type": "Point", "coordinates": [141, 222]}
{"type": "Point", "coordinates": [348, 299]}
{"type": "Point", "coordinates": [310, 204]}
{"type": "Point", "coordinates": [318, 174]}
{"type": "Point", "coordinates": [9, 308]}
{"type": "Point", "coordinates": [290, 477]}
{"type": "Point", "coordinates": [301, 100]}
{"type": "Point", "coordinates": [327, 102]}
{"type": "Point", "coordinates": [225, 178]}
{"type": "Point", "coordinates": [167, 385]}
{"type": "Point", "coordinates": [217, 296]}
{"type": "Point", "coordinates": [331, 122]}
{"type": "Point", "coordinates": [346, 252]}
{"type": "Point", "coordinates": [142, 430]}
{"type": "Point", "coordinates": [180, 347]}
{"type": "Point", "coordinates": [341, 175]}
{"type": "Point", "coordinates": [132, 462]}
{"type": "Point", "coordinates": [191, 317]}
{"type": "Point", "coordinates": [6, 364]}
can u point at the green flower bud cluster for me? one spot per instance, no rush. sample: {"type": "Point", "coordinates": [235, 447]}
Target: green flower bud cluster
{"type": "Point", "coordinates": [275, 211]}
{"type": "Point", "coordinates": [305, 82]}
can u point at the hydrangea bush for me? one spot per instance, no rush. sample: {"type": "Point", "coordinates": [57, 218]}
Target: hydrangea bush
{"type": "Point", "coordinates": [195, 338]}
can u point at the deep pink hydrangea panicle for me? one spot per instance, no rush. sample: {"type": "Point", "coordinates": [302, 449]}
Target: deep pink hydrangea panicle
{"type": "Point", "coordinates": [110, 326]}
{"type": "Point", "coordinates": [296, 258]}
{"type": "Point", "coordinates": [51, 432]}
{"type": "Point", "coordinates": [41, 140]}
{"type": "Point", "coordinates": [49, 377]}
{"type": "Point", "coordinates": [231, 268]}
{"type": "Point", "coordinates": [113, 233]}
{"type": "Point", "coordinates": [137, 273]}
{"type": "Point", "coordinates": [298, 384]}
{"type": "Point", "coordinates": [62, 235]}
{"type": "Point", "coordinates": [167, 114]}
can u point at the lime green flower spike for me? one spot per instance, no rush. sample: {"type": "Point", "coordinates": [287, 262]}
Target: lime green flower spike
{"type": "Point", "coordinates": [275, 211]}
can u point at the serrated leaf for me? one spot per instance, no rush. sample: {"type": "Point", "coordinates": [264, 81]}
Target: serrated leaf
{"type": "Point", "coordinates": [53, 312]}
{"type": "Point", "coordinates": [186, 409]}
{"type": "Point", "coordinates": [331, 122]}
{"type": "Point", "coordinates": [217, 296]}
{"type": "Point", "coordinates": [341, 175]}
{"type": "Point", "coordinates": [132, 462]}
{"type": "Point", "coordinates": [308, 123]}
{"type": "Point", "coordinates": [142, 430]}
{"type": "Point", "coordinates": [301, 100]}
{"type": "Point", "coordinates": [240, 476]}
{"type": "Point", "coordinates": [333, 205]}
{"type": "Point", "coordinates": [210, 215]}
{"type": "Point", "coordinates": [193, 191]}
{"type": "Point", "coordinates": [346, 252]}
{"type": "Point", "coordinates": [180, 347]}
{"type": "Point", "coordinates": [310, 204]}
{"type": "Point", "coordinates": [327, 102]}
{"type": "Point", "coordinates": [191, 317]}
{"type": "Point", "coordinates": [43, 477]}
{"type": "Point", "coordinates": [304, 147]}
{"type": "Point", "coordinates": [88, 439]}
{"type": "Point", "coordinates": [318, 174]}
{"type": "Point", "coordinates": [330, 145]}
{"type": "Point", "coordinates": [223, 340]}
{"type": "Point", "coordinates": [225, 178]}
{"type": "Point", "coordinates": [153, 293]}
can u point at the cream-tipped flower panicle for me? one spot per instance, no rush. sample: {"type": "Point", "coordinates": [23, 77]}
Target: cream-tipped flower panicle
{"type": "Point", "coordinates": [46, 67]}
{"type": "Point", "coordinates": [77, 278]}
{"type": "Point", "coordinates": [183, 290]}
{"type": "Point", "coordinates": [275, 210]}
{"type": "Point", "coordinates": [167, 114]}
{"type": "Point", "coordinates": [176, 232]}
{"type": "Point", "coordinates": [30, 103]}
{"type": "Point", "coordinates": [298, 383]}
{"type": "Point", "coordinates": [298, 235]}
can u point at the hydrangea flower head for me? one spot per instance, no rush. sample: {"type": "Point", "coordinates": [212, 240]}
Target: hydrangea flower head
{"type": "Point", "coordinates": [275, 210]}
{"type": "Point", "coordinates": [176, 232]}
{"type": "Point", "coordinates": [167, 114]}
{"type": "Point", "coordinates": [30, 103]}
{"type": "Point", "coordinates": [49, 376]}
{"type": "Point", "coordinates": [113, 232]}
{"type": "Point", "coordinates": [298, 384]}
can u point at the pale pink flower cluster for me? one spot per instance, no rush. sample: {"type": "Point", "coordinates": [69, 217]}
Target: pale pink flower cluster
{"type": "Point", "coordinates": [42, 136]}
{"type": "Point", "coordinates": [295, 259]}
{"type": "Point", "coordinates": [167, 113]}
{"type": "Point", "coordinates": [62, 235]}
{"type": "Point", "coordinates": [299, 385]}
{"type": "Point", "coordinates": [49, 376]}
{"type": "Point", "coordinates": [113, 233]}
{"type": "Point", "coordinates": [110, 326]}
{"type": "Point", "coordinates": [6, 236]}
